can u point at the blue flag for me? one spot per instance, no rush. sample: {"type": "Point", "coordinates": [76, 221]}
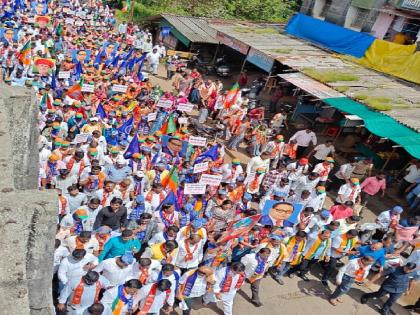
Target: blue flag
{"type": "Point", "coordinates": [79, 70]}
{"type": "Point", "coordinates": [98, 58]}
{"type": "Point", "coordinates": [132, 148]}
{"type": "Point", "coordinates": [101, 112]}
{"type": "Point", "coordinates": [210, 153]}
{"type": "Point", "coordinates": [125, 129]}
{"type": "Point", "coordinates": [170, 199]}
{"type": "Point", "coordinates": [53, 81]}
{"type": "Point", "coordinates": [139, 74]}
{"type": "Point", "coordinates": [115, 61]}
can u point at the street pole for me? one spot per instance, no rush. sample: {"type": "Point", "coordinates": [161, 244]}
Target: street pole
{"type": "Point", "coordinates": [131, 15]}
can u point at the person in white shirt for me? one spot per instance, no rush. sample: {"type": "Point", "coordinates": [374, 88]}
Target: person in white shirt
{"type": "Point", "coordinates": [323, 169]}
{"type": "Point", "coordinates": [317, 199]}
{"type": "Point", "coordinates": [262, 161]}
{"type": "Point", "coordinates": [349, 192]}
{"type": "Point", "coordinates": [129, 291]}
{"type": "Point", "coordinates": [76, 266]}
{"type": "Point", "coordinates": [192, 286]}
{"type": "Point", "coordinates": [144, 268]}
{"type": "Point", "coordinates": [168, 272]}
{"type": "Point", "coordinates": [117, 270]}
{"type": "Point", "coordinates": [160, 49]}
{"type": "Point", "coordinates": [342, 175]}
{"type": "Point", "coordinates": [64, 180]}
{"type": "Point", "coordinates": [85, 240]}
{"type": "Point", "coordinates": [255, 267]}
{"type": "Point", "coordinates": [389, 218]}
{"type": "Point", "coordinates": [321, 151]}
{"type": "Point", "coordinates": [228, 281]}
{"type": "Point", "coordinates": [305, 182]}
{"type": "Point", "coordinates": [154, 298]}
{"type": "Point", "coordinates": [106, 194]}
{"type": "Point", "coordinates": [317, 223]}
{"type": "Point", "coordinates": [297, 169]}
{"type": "Point", "coordinates": [231, 171]}
{"type": "Point", "coordinates": [60, 253]}
{"type": "Point", "coordinates": [304, 138]}
{"type": "Point", "coordinates": [190, 253]}
{"type": "Point", "coordinates": [355, 270]}
{"type": "Point", "coordinates": [170, 233]}
{"type": "Point", "coordinates": [92, 209]}
{"type": "Point", "coordinates": [76, 300]}
{"type": "Point", "coordinates": [412, 174]}
{"type": "Point", "coordinates": [94, 309]}
{"type": "Point", "coordinates": [153, 59]}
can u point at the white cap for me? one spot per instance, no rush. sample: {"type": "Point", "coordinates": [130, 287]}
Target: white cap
{"type": "Point", "coordinates": [121, 160]}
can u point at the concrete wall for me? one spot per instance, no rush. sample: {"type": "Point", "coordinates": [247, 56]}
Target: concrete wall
{"type": "Point", "coordinates": [27, 215]}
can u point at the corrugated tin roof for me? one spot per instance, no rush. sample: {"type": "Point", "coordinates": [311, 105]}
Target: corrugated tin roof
{"type": "Point", "coordinates": [197, 30]}
{"type": "Point", "coordinates": [298, 55]}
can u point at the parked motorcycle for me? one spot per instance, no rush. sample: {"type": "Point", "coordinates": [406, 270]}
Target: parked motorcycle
{"type": "Point", "coordinates": [221, 67]}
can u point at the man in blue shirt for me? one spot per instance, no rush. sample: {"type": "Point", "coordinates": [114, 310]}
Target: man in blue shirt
{"type": "Point", "coordinates": [395, 284]}
{"type": "Point", "coordinates": [375, 250]}
{"type": "Point", "coordinates": [118, 246]}
{"type": "Point", "coordinates": [118, 171]}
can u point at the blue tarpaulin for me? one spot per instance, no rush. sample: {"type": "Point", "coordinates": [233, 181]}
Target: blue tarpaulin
{"type": "Point", "coordinates": [331, 36]}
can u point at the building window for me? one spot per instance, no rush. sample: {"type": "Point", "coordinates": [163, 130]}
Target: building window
{"type": "Point", "coordinates": [360, 18]}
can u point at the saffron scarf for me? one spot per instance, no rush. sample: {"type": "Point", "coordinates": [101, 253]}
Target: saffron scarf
{"type": "Point", "coordinates": [318, 244]}
{"type": "Point", "coordinates": [151, 298]}
{"type": "Point", "coordinates": [149, 196]}
{"type": "Point", "coordinates": [255, 182]}
{"type": "Point", "coordinates": [167, 220]}
{"type": "Point", "coordinates": [190, 253]}
{"type": "Point", "coordinates": [63, 205]}
{"type": "Point", "coordinates": [144, 275]}
{"type": "Point", "coordinates": [78, 292]}
{"type": "Point", "coordinates": [121, 300]}
{"type": "Point", "coordinates": [105, 196]}
{"type": "Point", "coordinates": [360, 273]}
{"type": "Point", "coordinates": [259, 270]}
{"type": "Point", "coordinates": [70, 165]}
{"type": "Point", "coordinates": [295, 248]}
{"type": "Point", "coordinates": [227, 281]}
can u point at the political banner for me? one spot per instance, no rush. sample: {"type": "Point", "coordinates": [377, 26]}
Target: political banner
{"type": "Point", "coordinates": [151, 116]}
{"type": "Point", "coordinates": [81, 138]}
{"type": "Point", "coordinates": [64, 74]}
{"type": "Point", "coordinates": [119, 88]}
{"type": "Point", "coordinates": [197, 141]}
{"type": "Point", "coordinates": [201, 167]}
{"type": "Point", "coordinates": [212, 180]}
{"type": "Point", "coordinates": [188, 107]}
{"type": "Point", "coordinates": [194, 189]}
{"type": "Point", "coordinates": [90, 88]}
{"type": "Point", "coordinates": [164, 103]}
{"type": "Point", "coordinates": [183, 120]}
{"type": "Point", "coordinates": [239, 228]}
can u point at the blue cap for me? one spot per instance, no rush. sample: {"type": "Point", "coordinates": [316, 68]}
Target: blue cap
{"type": "Point", "coordinates": [127, 258]}
{"type": "Point", "coordinates": [398, 209]}
{"type": "Point", "coordinates": [222, 192]}
{"type": "Point", "coordinates": [247, 196]}
{"type": "Point", "coordinates": [279, 193]}
{"type": "Point", "coordinates": [197, 223]}
{"type": "Point", "coordinates": [157, 146]}
{"type": "Point", "coordinates": [124, 142]}
{"type": "Point", "coordinates": [139, 198]}
{"type": "Point", "coordinates": [146, 149]}
{"type": "Point", "coordinates": [240, 178]}
{"type": "Point", "coordinates": [275, 237]}
{"type": "Point", "coordinates": [325, 213]}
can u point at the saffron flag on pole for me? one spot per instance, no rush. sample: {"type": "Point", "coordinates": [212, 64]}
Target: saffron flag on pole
{"type": "Point", "coordinates": [24, 52]}
{"type": "Point", "coordinates": [232, 95]}
{"type": "Point", "coordinates": [169, 126]}
{"type": "Point", "coordinates": [75, 92]}
{"type": "Point", "coordinates": [171, 180]}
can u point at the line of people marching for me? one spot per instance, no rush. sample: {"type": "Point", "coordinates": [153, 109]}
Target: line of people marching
{"type": "Point", "coordinates": [133, 236]}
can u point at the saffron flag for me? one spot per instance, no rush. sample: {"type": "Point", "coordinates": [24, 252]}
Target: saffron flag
{"type": "Point", "coordinates": [132, 148]}
{"type": "Point", "coordinates": [75, 92]}
{"type": "Point", "coordinates": [24, 52]}
{"type": "Point", "coordinates": [169, 126]}
{"type": "Point", "coordinates": [232, 95]}
{"type": "Point", "coordinates": [171, 180]}
{"type": "Point", "coordinates": [239, 228]}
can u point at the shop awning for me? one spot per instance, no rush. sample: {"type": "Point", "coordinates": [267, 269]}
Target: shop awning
{"type": "Point", "coordinates": [380, 124]}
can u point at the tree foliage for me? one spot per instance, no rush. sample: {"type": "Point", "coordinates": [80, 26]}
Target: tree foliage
{"type": "Point", "coordinates": [256, 10]}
